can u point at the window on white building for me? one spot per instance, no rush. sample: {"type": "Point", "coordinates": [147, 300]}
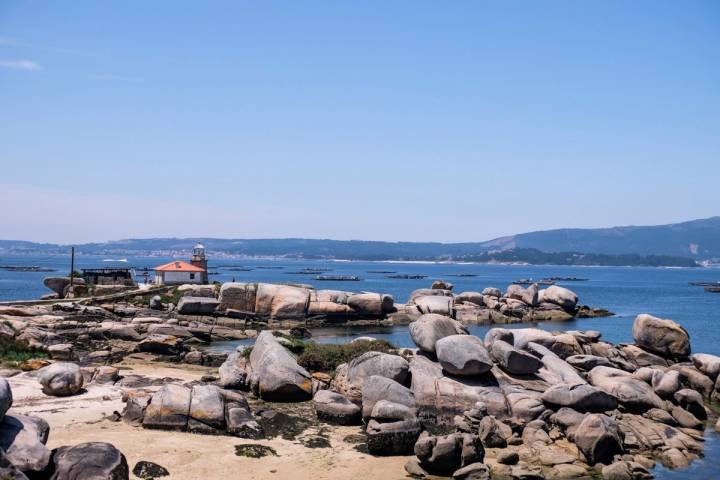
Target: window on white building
{"type": "Point", "coordinates": [192, 276]}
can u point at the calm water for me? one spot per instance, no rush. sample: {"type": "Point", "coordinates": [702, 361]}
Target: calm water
{"type": "Point", "coordinates": [626, 291]}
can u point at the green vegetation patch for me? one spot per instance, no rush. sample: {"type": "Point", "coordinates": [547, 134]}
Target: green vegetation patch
{"type": "Point", "coordinates": [252, 450]}
{"type": "Point", "coordinates": [318, 357]}
{"type": "Point", "coordinates": [13, 353]}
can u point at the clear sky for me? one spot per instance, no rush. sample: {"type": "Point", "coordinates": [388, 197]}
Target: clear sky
{"type": "Point", "coordinates": [380, 120]}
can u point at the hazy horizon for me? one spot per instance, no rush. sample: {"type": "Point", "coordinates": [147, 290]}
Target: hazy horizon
{"type": "Point", "coordinates": [402, 121]}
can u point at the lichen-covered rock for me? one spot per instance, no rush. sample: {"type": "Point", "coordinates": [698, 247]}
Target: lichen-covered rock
{"type": "Point", "coordinates": [61, 379]}
{"type": "Point", "coordinates": [335, 408]}
{"type": "Point", "coordinates": [281, 301]}
{"type": "Point", "coordinates": [464, 355]}
{"type": "Point", "coordinates": [430, 328]}
{"type": "Point", "coordinates": [238, 296]}
{"type": "Point", "coordinates": [368, 364]}
{"type": "Point", "coordinates": [207, 409]}
{"type": "Point", "coordinates": [275, 374]}
{"type": "Point", "coordinates": [528, 295]}
{"type": "Point", "coordinates": [663, 337]}
{"type": "Point", "coordinates": [90, 461]}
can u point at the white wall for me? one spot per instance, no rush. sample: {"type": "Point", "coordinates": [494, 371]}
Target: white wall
{"type": "Point", "coordinates": [173, 278]}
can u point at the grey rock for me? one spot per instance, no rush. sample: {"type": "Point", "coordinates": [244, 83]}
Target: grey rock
{"type": "Point", "coordinates": [588, 362]}
{"type": "Point", "coordinates": [446, 454]}
{"type": "Point", "coordinates": [512, 360]}
{"type": "Point", "coordinates": [8, 471]}
{"type": "Point", "coordinates": [238, 417]}
{"type": "Point", "coordinates": [582, 398]}
{"type": "Point", "coordinates": [376, 388]}
{"type": "Point", "coordinates": [169, 408]}
{"type": "Point", "coordinates": [155, 303]}
{"type": "Point", "coordinates": [463, 355]}
{"type": "Point", "coordinates": [691, 401]}
{"type": "Point", "coordinates": [707, 364]}
{"type": "Point", "coordinates": [149, 470]}
{"type": "Point", "coordinates": [61, 379]}
{"type": "Point", "coordinates": [527, 295]}
{"type": "Point", "coordinates": [197, 305]}
{"type": "Point", "coordinates": [6, 398]}
{"type": "Point", "coordinates": [625, 470]}
{"type": "Point", "coordinates": [207, 409]}
{"type": "Point", "coordinates": [275, 374]}
{"type": "Point", "coordinates": [665, 384]}
{"type": "Point", "coordinates": [474, 471]}
{"type": "Point", "coordinates": [335, 408]}
{"type": "Point", "coordinates": [161, 344]}
{"type": "Point", "coordinates": [385, 411]}
{"type": "Point", "coordinates": [492, 433]}
{"type": "Point", "coordinates": [23, 439]}
{"type": "Point", "coordinates": [393, 438]}
{"type": "Point", "coordinates": [663, 337]}
{"type": "Point", "coordinates": [430, 328]}
{"type": "Point", "coordinates": [435, 304]}
{"type": "Point", "coordinates": [563, 297]}
{"type": "Point", "coordinates": [599, 438]}
{"type": "Point", "coordinates": [90, 461]}
{"type": "Point", "coordinates": [232, 371]}
{"type": "Point", "coordinates": [631, 392]}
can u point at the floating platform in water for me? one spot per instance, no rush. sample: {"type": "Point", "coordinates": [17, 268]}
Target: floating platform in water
{"type": "Point", "coordinates": [712, 289]}
{"type": "Point", "coordinates": [338, 278]}
{"type": "Point", "coordinates": [530, 281]}
{"type": "Point", "coordinates": [566, 279]}
{"type": "Point", "coordinates": [309, 271]}
{"type": "Point", "coordinates": [705, 284]}
{"type": "Point", "coordinates": [237, 269]}
{"type": "Point", "coordinates": [23, 268]}
{"type": "Point", "coordinates": [406, 277]}
{"type": "Point", "coordinates": [381, 271]}
{"type": "Point", "coordinates": [462, 275]}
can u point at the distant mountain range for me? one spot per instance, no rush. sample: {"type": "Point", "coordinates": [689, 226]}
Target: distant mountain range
{"type": "Point", "coordinates": [662, 245]}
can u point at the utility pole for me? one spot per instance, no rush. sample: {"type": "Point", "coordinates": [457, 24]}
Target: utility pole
{"type": "Point", "coordinates": [72, 266]}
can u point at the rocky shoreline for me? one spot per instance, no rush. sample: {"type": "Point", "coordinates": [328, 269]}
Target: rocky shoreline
{"type": "Point", "coordinates": [519, 403]}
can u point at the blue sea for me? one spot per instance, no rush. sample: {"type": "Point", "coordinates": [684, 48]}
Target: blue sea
{"type": "Point", "coordinates": [626, 291]}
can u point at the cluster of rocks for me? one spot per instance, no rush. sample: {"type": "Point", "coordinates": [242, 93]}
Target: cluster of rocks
{"type": "Point", "coordinates": [24, 454]}
{"type": "Point", "coordinates": [520, 403]}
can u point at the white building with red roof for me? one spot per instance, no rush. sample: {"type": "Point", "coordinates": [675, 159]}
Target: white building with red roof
{"type": "Point", "coordinates": [179, 273]}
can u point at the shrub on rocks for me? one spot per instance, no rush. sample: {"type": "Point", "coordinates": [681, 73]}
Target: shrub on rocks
{"type": "Point", "coordinates": [61, 379]}
{"type": "Point", "coordinates": [318, 357]}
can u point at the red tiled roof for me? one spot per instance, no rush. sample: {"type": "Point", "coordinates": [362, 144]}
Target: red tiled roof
{"type": "Point", "coordinates": [178, 266]}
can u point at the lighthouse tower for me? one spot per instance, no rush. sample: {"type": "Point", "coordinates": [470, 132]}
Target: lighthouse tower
{"type": "Point", "coordinates": [199, 260]}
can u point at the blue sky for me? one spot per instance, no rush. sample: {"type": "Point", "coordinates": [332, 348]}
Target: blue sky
{"type": "Point", "coordinates": [403, 120]}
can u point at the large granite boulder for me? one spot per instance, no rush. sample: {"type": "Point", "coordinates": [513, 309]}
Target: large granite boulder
{"type": "Point", "coordinates": [90, 461]}
{"type": "Point", "coordinates": [430, 328]}
{"type": "Point", "coordinates": [61, 379]}
{"type": "Point", "coordinates": [377, 388]}
{"type": "Point", "coordinates": [707, 364]}
{"type": "Point", "coordinates": [463, 355]}
{"type": "Point", "coordinates": [207, 410]}
{"type": "Point", "coordinates": [392, 438]}
{"type": "Point", "coordinates": [446, 454]}
{"type": "Point", "coordinates": [370, 303]}
{"type": "Point", "coordinates": [238, 417]}
{"type": "Point", "coordinates": [197, 305]}
{"type": "Point", "coordinates": [169, 408]}
{"type": "Point", "coordinates": [626, 470]}
{"type": "Point", "coordinates": [435, 304]}
{"type": "Point", "coordinates": [6, 398]}
{"type": "Point", "coordinates": [439, 398]}
{"type": "Point", "coordinates": [475, 298]}
{"type": "Point", "coordinates": [23, 439]}
{"type": "Point", "coordinates": [528, 295]}
{"type": "Point", "coordinates": [599, 438]}
{"type": "Point", "coordinates": [232, 372]}
{"type": "Point", "coordinates": [425, 292]}
{"type": "Point", "coordinates": [631, 392]}
{"type": "Point", "coordinates": [582, 397]}
{"type": "Point", "coordinates": [275, 374]}
{"type": "Point", "coordinates": [565, 298]}
{"type": "Point", "coordinates": [350, 377]}
{"type": "Point", "coordinates": [281, 301]}
{"type": "Point", "coordinates": [238, 296]}
{"type": "Point", "coordinates": [335, 408]}
{"type": "Point", "coordinates": [161, 344]}
{"type": "Point", "coordinates": [513, 360]}
{"type": "Point", "coordinates": [662, 337]}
